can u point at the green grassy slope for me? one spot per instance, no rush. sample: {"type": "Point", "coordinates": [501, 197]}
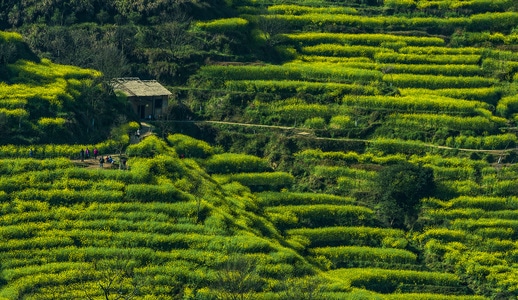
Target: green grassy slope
{"type": "Point", "coordinates": [394, 70]}
{"type": "Point", "coordinates": [42, 102]}
{"type": "Point", "coordinates": [368, 86]}
{"type": "Point", "coordinates": [163, 229]}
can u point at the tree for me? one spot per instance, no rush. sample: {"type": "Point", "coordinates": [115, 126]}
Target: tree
{"type": "Point", "coordinates": [120, 132]}
{"type": "Point", "coordinates": [399, 189]}
{"type": "Point", "coordinates": [238, 279]}
{"type": "Point", "coordinates": [114, 279]}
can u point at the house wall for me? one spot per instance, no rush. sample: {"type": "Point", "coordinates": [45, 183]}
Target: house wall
{"type": "Point", "coordinates": [144, 107]}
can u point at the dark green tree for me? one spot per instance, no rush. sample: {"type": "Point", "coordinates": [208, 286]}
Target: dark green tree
{"type": "Point", "coordinates": [399, 189]}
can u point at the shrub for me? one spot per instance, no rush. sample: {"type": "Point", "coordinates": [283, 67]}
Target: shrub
{"type": "Point", "coordinates": [228, 163]}
{"type": "Point", "coordinates": [315, 123]}
{"type": "Point", "coordinates": [438, 82]}
{"type": "Point", "coordinates": [320, 215]}
{"type": "Point", "coordinates": [386, 281]}
{"type": "Point", "coordinates": [223, 25]}
{"type": "Point", "coordinates": [391, 146]}
{"type": "Point", "coordinates": [190, 147]}
{"type": "Point", "coordinates": [148, 147]}
{"type": "Point", "coordinates": [399, 189]}
{"type": "Point", "coordinates": [340, 122]}
{"type": "Point", "coordinates": [344, 50]}
{"type": "Point", "coordinates": [289, 198]}
{"type": "Point", "coordinates": [345, 236]}
{"type": "Point", "coordinates": [376, 39]}
{"type": "Point", "coordinates": [153, 193]}
{"type": "Point", "coordinates": [272, 181]}
{"type": "Point", "coordinates": [343, 256]}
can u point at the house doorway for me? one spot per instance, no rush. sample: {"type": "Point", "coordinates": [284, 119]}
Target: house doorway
{"type": "Point", "coordinates": [142, 111]}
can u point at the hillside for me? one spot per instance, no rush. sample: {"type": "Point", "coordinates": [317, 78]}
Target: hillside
{"type": "Point", "coordinates": [315, 149]}
{"type": "Point", "coordinates": [43, 102]}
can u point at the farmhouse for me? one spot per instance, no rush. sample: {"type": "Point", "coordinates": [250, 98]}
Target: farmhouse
{"type": "Point", "coordinates": [148, 98]}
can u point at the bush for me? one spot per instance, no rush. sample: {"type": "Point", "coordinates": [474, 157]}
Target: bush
{"type": "Point", "coordinates": [320, 215]}
{"type": "Point", "coordinates": [223, 25]}
{"type": "Point", "coordinates": [190, 147]}
{"type": "Point", "coordinates": [343, 256]}
{"type": "Point", "coordinates": [257, 182]}
{"type": "Point", "coordinates": [288, 198]}
{"type": "Point", "coordinates": [399, 189]}
{"type": "Point", "coordinates": [386, 281]}
{"type": "Point", "coordinates": [346, 236]}
{"type": "Point", "coordinates": [228, 163]}
{"type": "Point", "coordinates": [315, 123]}
{"type": "Point", "coordinates": [149, 147]}
{"type": "Point", "coordinates": [153, 193]}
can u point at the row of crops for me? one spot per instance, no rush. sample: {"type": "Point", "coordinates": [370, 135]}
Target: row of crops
{"type": "Point", "coordinates": [467, 235]}
{"type": "Point", "coordinates": [40, 98]}
{"type": "Point", "coordinates": [158, 226]}
{"type": "Point", "coordinates": [187, 220]}
{"type": "Point", "coordinates": [373, 85]}
{"type": "Point", "coordinates": [374, 75]}
{"type": "Point", "coordinates": [161, 229]}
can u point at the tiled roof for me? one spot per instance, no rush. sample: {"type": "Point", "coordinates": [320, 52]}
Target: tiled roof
{"type": "Point", "coordinates": [133, 86]}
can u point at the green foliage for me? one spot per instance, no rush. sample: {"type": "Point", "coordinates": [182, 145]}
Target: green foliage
{"type": "Point", "coordinates": [399, 189]}
{"type": "Point", "coordinates": [190, 147]}
{"type": "Point", "coordinates": [149, 147]}
{"type": "Point", "coordinates": [223, 25]}
{"type": "Point", "coordinates": [320, 215]}
{"type": "Point", "coordinates": [315, 123]}
{"type": "Point", "coordinates": [269, 181]}
{"type": "Point", "coordinates": [151, 193]}
{"type": "Point", "coordinates": [290, 71]}
{"type": "Point", "coordinates": [346, 236]}
{"type": "Point", "coordinates": [315, 38]}
{"type": "Point", "coordinates": [414, 103]}
{"type": "Point", "coordinates": [387, 281]}
{"type": "Point", "coordinates": [183, 228]}
{"type": "Point", "coordinates": [42, 97]}
{"type": "Point", "coordinates": [289, 198]}
{"type": "Point", "coordinates": [227, 163]}
{"type": "Point", "coordinates": [346, 256]}
{"type": "Point", "coordinates": [501, 141]}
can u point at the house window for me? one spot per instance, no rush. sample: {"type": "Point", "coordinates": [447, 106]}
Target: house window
{"type": "Point", "coordinates": [158, 103]}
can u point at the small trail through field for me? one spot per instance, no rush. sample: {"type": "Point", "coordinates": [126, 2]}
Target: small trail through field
{"type": "Point", "coordinates": [147, 129]}
{"type": "Point", "coordinates": [307, 133]}
{"type": "Point", "coordinates": [93, 163]}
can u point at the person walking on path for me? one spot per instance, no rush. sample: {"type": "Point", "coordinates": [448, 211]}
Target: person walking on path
{"type": "Point", "coordinates": [96, 152]}
{"type": "Point", "coordinates": [82, 154]}
{"type": "Point", "coordinates": [137, 134]}
{"type": "Point", "coordinates": [101, 161]}
{"type": "Point", "coordinates": [87, 153]}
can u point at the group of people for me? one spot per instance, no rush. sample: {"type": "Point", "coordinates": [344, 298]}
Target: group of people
{"type": "Point", "coordinates": [107, 159]}
{"type": "Point", "coordinates": [85, 153]}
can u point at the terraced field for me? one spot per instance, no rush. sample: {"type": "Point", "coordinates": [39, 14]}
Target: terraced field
{"type": "Point", "coordinates": [373, 84]}
{"type": "Point", "coordinates": [404, 79]}
{"type": "Point", "coordinates": [70, 232]}
{"type": "Point", "coordinates": [443, 80]}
